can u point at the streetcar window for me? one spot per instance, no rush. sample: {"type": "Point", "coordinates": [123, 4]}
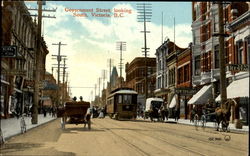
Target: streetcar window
{"type": "Point", "coordinates": [127, 99]}
{"type": "Point", "coordinates": [119, 98]}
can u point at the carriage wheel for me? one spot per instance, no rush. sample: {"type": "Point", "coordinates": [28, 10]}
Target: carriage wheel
{"type": "Point", "coordinates": [224, 126]}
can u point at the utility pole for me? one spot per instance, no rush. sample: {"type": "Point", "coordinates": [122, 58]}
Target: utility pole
{"type": "Point", "coordinates": [99, 86]}
{"type": "Point", "coordinates": [95, 90]}
{"type": "Point", "coordinates": [145, 14]}
{"type": "Point", "coordinates": [221, 35]}
{"type": "Point", "coordinates": [110, 64]}
{"type": "Point", "coordinates": [122, 47]}
{"type": "Point", "coordinates": [34, 119]}
{"type": "Point", "coordinates": [99, 96]}
{"type": "Point", "coordinates": [59, 58]}
{"type": "Point", "coordinates": [63, 85]}
{"type": "Point", "coordinates": [104, 75]}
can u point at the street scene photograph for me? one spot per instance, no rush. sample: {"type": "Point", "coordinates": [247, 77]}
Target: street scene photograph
{"type": "Point", "coordinates": [124, 78]}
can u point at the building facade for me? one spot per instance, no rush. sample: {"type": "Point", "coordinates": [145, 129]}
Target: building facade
{"type": "Point", "coordinates": [205, 52]}
{"type": "Point", "coordinates": [184, 80]}
{"type": "Point", "coordinates": [166, 79]}
{"type": "Point", "coordinates": [18, 73]}
{"type": "Point", "coordinates": [135, 77]}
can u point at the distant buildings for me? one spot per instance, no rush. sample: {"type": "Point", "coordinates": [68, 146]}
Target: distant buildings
{"type": "Point", "coordinates": [135, 77]}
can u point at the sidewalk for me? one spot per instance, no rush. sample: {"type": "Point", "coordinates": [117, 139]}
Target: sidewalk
{"type": "Point", "coordinates": [232, 128]}
{"type": "Point", "coordinates": [211, 125]}
{"type": "Point", "coordinates": [11, 126]}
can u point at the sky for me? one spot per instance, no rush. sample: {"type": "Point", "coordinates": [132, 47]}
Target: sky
{"type": "Point", "coordinates": [91, 40]}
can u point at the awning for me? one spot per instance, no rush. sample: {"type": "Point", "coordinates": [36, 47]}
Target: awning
{"type": "Point", "coordinates": [173, 102]}
{"type": "Point", "coordinates": [202, 96]}
{"type": "Point", "coordinates": [238, 88]}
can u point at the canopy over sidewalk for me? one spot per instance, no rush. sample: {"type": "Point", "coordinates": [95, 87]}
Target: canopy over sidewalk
{"type": "Point", "coordinates": [173, 102]}
{"type": "Point", "coordinates": [238, 88]}
{"type": "Point", "coordinates": [202, 96]}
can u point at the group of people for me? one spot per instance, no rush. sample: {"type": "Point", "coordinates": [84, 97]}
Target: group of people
{"type": "Point", "coordinates": [98, 112]}
{"type": "Point", "coordinates": [51, 110]}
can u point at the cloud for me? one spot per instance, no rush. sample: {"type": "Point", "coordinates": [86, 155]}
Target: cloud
{"type": "Point", "coordinates": [90, 42]}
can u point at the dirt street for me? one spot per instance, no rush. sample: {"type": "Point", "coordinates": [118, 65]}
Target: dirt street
{"type": "Point", "coordinates": [126, 138]}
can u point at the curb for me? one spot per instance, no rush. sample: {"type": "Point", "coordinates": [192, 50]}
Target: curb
{"type": "Point", "coordinates": [28, 129]}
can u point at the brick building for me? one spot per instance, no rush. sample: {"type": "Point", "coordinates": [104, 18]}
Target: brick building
{"type": "Point", "coordinates": [135, 77]}
{"type": "Point", "coordinates": [166, 69]}
{"type": "Point", "coordinates": [184, 80]}
{"type": "Point", "coordinates": [205, 53]}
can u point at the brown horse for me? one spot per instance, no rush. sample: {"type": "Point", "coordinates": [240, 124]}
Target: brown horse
{"type": "Point", "coordinates": [223, 115]}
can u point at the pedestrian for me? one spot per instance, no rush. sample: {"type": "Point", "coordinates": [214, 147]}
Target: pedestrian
{"type": "Point", "coordinates": [44, 112]}
{"type": "Point", "coordinates": [101, 113]}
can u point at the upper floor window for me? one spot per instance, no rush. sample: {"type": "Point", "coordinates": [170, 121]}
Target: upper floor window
{"type": "Point", "coordinates": [197, 65]}
{"type": "Point", "coordinates": [239, 52]}
{"type": "Point", "coordinates": [248, 49]}
{"type": "Point", "coordinates": [216, 57]}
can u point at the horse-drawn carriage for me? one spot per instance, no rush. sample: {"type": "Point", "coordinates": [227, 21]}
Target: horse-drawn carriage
{"type": "Point", "coordinates": [74, 112]}
{"type": "Point", "coordinates": [153, 108]}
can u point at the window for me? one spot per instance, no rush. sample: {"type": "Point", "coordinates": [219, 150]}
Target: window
{"type": "Point", "coordinates": [248, 50]}
{"type": "Point", "coordinates": [216, 57]}
{"type": "Point", "coordinates": [197, 66]}
{"type": "Point", "coordinates": [159, 65]}
{"type": "Point", "coordinates": [119, 98]}
{"type": "Point", "coordinates": [226, 52]}
{"type": "Point", "coordinates": [127, 99]}
{"type": "Point", "coordinates": [216, 23]}
{"type": "Point", "coordinates": [186, 73]}
{"type": "Point", "coordinates": [239, 52]}
{"type": "Point", "coordinates": [197, 11]}
{"type": "Point", "coordinates": [159, 82]}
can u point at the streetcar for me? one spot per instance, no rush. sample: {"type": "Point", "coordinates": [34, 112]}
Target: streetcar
{"type": "Point", "coordinates": [122, 104]}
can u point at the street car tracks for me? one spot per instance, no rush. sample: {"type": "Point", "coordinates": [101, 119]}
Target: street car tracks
{"type": "Point", "coordinates": [141, 150]}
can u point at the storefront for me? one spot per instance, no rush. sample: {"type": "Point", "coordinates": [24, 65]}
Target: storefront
{"type": "Point", "coordinates": [16, 98]}
{"type": "Point", "coordinates": [238, 90]}
{"type": "Point", "coordinates": [28, 92]}
{"type": "Point", "coordinates": [4, 97]}
{"type": "Point", "coordinates": [201, 99]}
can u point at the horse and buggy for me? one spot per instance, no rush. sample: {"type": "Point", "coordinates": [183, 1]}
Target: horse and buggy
{"type": "Point", "coordinates": [218, 115]}
{"type": "Point", "coordinates": [75, 112]}
{"type": "Point", "coordinates": [155, 109]}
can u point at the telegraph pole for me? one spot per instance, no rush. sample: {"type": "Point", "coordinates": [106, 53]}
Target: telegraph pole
{"type": "Point", "coordinates": [110, 64]}
{"type": "Point", "coordinates": [221, 35]}
{"type": "Point", "coordinates": [104, 75]}
{"type": "Point", "coordinates": [145, 14]}
{"type": "Point", "coordinates": [63, 90]}
{"type": "Point", "coordinates": [34, 119]}
{"type": "Point", "coordinates": [122, 47]}
{"type": "Point", "coordinates": [59, 58]}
